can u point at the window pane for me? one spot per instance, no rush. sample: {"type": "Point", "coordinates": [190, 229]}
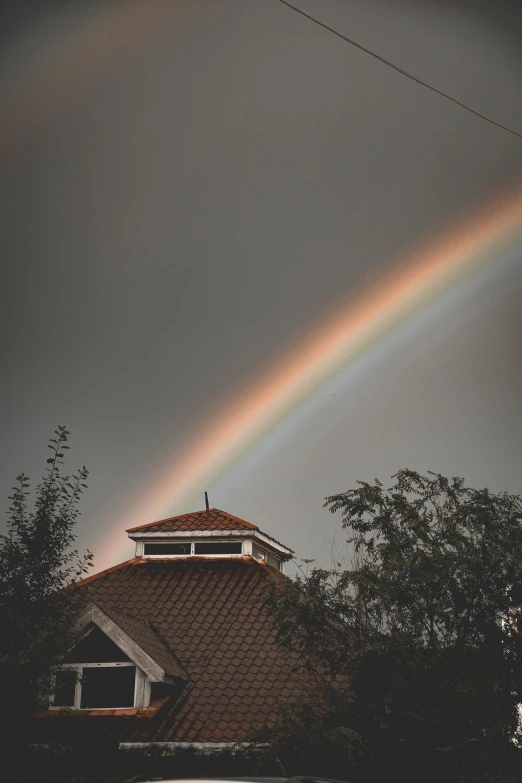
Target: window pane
{"type": "Point", "coordinates": [258, 553]}
{"type": "Point", "coordinates": [65, 684]}
{"type": "Point", "coordinates": [167, 549]}
{"type": "Point", "coordinates": [110, 686]}
{"type": "Point", "coordinates": [218, 548]}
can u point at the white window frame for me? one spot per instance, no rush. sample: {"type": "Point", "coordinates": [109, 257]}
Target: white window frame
{"type": "Point", "coordinates": [162, 557]}
{"type": "Point", "coordinates": [217, 541]}
{"type": "Point", "coordinates": [193, 548]}
{"type": "Point", "coordinates": [265, 555]}
{"type": "Point", "coordinates": [141, 686]}
{"type": "Point", "coordinates": [261, 551]}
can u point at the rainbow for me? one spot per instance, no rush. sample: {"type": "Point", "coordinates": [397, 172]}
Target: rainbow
{"type": "Point", "coordinates": [120, 33]}
{"type": "Point", "coordinates": [95, 44]}
{"type": "Point", "coordinates": [425, 275]}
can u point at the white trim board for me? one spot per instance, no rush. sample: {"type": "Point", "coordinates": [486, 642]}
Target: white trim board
{"type": "Point", "coordinates": [177, 535]}
{"type": "Point", "coordinates": [111, 665]}
{"type": "Point", "coordinates": [93, 614]}
{"type": "Point", "coordinates": [139, 676]}
{"type": "Point", "coordinates": [171, 748]}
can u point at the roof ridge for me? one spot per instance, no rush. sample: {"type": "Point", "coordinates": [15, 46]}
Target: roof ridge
{"type": "Point", "coordinates": [212, 511]}
{"type": "Point", "coordinates": [168, 646]}
{"type": "Point", "coordinates": [170, 519]}
{"type": "Point", "coordinates": [233, 516]}
{"type": "Point", "coordinates": [92, 577]}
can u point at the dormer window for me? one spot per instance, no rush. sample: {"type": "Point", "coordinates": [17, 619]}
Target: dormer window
{"type": "Point", "coordinates": [96, 686]}
{"type": "Point", "coordinates": [97, 675]}
{"type": "Point", "coordinates": [115, 665]}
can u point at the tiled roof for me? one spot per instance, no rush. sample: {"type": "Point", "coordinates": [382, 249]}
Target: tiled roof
{"type": "Point", "coordinates": [210, 519]}
{"type": "Point", "coordinates": [145, 637]}
{"type": "Point", "coordinates": [208, 613]}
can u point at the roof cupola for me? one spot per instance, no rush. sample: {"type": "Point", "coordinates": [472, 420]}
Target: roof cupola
{"type": "Point", "coordinates": [210, 533]}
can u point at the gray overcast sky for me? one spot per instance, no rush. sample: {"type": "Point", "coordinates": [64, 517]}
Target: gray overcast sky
{"type": "Point", "coordinates": [194, 186]}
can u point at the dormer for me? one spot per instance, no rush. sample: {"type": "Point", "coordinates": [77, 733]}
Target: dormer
{"type": "Point", "coordinates": [118, 664]}
{"type": "Point", "coordinates": [211, 533]}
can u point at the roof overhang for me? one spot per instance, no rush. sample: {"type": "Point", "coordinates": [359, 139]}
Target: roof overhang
{"type": "Point", "coordinates": [93, 614]}
{"type": "Point", "coordinates": [179, 535]}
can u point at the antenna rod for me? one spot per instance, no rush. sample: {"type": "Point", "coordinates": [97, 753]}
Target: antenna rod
{"type": "Point", "coordinates": [206, 501]}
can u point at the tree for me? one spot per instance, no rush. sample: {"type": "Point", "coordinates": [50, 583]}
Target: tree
{"type": "Point", "coordinates": [38, 565]}
{"type": "Point", "coordinates": [413, 651]}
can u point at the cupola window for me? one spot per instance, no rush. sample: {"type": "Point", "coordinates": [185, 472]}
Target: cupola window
{"type": "Point", "coordinates": [261, 554]}
{"type": "Point", "coordinates": [193, 548]}
{"type": "Point", "coordinates": [218, 548]}
{"type": "Point", "coordinates": [168, 549]}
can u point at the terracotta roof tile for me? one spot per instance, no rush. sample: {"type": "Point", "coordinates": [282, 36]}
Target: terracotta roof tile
{"type": "Point", "coordinates": [203, 611]}
{"type": "Point", "coordinates": [107, 571]}
{"type": "Point", "coordinates": [208, 519]}
{"type": "Point", "coordinates": [145, 636]}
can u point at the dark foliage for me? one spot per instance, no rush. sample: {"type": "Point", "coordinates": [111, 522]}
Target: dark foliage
{"type": "Point", "coordinates": [38, 565]}
{"type": "Point", "coordinates": [412, 651]}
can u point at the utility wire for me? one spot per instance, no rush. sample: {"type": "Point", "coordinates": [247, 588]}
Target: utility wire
{"type": "Point", "coordinates": [400, 70]}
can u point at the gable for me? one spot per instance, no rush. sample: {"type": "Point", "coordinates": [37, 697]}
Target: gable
{"type": "Point", "coordinates": [96, 647]}
{"type": "Point", "coordinates": [113, 665]}
{"type": "Point", "coordinates": [136, 639]}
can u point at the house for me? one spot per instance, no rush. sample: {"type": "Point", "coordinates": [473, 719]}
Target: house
{"type": "Point", "coordinates": [174, 648]}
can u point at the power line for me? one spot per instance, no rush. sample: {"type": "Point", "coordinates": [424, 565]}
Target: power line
{"type": "Point", "coordinates": [400, 70]}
